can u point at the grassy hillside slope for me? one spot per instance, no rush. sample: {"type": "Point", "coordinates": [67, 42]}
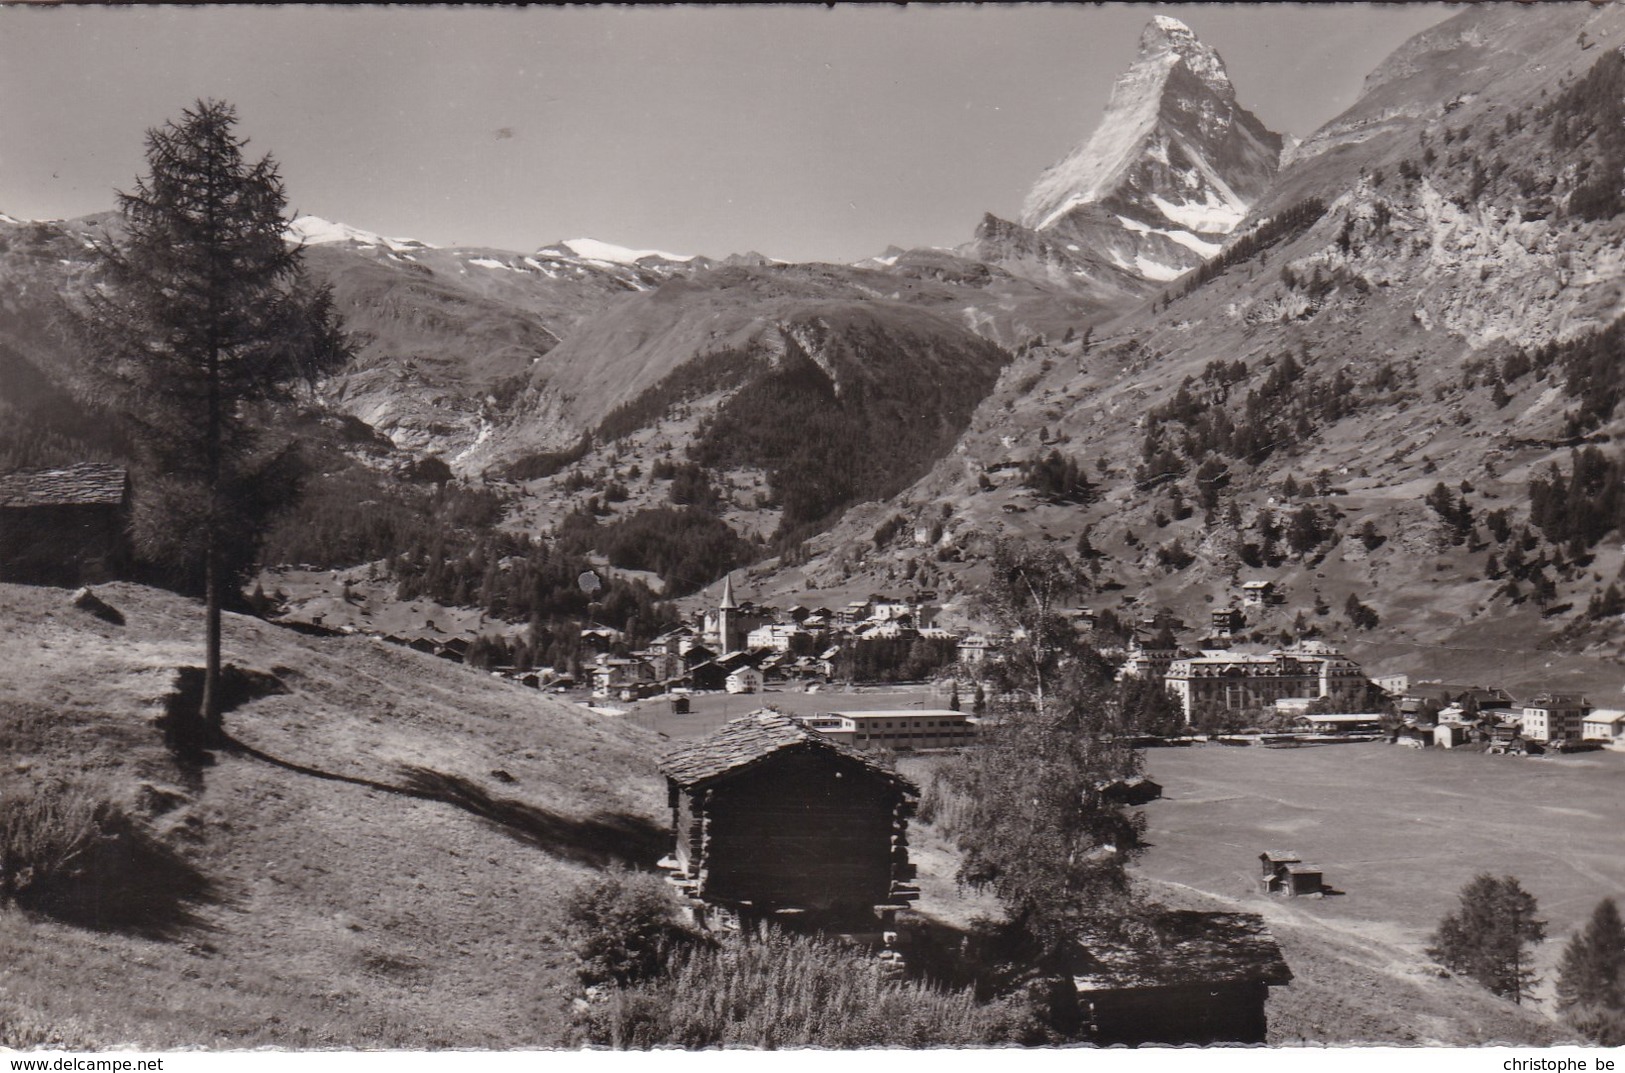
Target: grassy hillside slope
{"type": "Point", "coordinates": [327, 912]}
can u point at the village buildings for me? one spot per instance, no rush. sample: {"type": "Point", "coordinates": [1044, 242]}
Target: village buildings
{"type": "Point", "coordinates": [1549, 717]}
{"type": "Point", "coordinates": [1236, 681]}
{"type": "Point", "coordinates": [907, 730]}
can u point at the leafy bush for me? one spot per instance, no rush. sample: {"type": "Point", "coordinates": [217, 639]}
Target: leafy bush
{"type": "Point", "coordinates": [46, 832]}
{"type": "Point", "coordinates": [776, 991]}
{"type": "Point", "coordinates": [22, 1029]}
{"type": "Point", "coordinates": [623, 928]}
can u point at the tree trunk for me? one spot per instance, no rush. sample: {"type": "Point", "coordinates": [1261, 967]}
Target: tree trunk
{"type": "Point", "coordinates": [213, 727]}
{"type": "Point", "coordinates": [212, 723]}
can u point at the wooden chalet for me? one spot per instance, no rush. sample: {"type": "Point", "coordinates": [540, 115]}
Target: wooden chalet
{"type": "Point", "coordinates": [1202, 978]}
{"type": "Point", "coordinates": [1284, 872]}
{"type": "Point", "coordinates": [65, 526]}
{"type": "Point", "coordinates": [773, 820]}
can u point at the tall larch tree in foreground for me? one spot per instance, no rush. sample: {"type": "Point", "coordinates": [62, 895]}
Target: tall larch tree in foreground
{"type": "Point", "coordinates": [1489, 935]}
{"type": "Point", "coordinates": [201, 315]}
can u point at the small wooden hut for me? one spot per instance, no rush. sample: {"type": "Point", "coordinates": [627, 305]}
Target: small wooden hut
{"type": "Point", "coordinates": [65, 526]}
{"type": "Point", "coordinates": [772, 819]}
{"type": "Point", "coordinates": [1284, 872]}
{"type": "Point", "coordinates": [1203, 979]}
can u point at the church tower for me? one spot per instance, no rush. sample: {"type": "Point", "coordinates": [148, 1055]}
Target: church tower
{"type": "Point", "coordinates": [725, 617]}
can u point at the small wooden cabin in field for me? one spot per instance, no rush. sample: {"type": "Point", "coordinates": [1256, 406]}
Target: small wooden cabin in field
{"type": "Point", "coordinates": [775, 820]}
{"type": "Point", "coordinates": [65, 526]}
{"type": "Point", "coordinates": [1284, 872]}
{"type": "Point", "coordinates": [1204, 980]}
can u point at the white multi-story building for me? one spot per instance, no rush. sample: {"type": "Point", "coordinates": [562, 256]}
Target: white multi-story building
{"type": "Point", "coordinates": [1237, 681]}
{"type": "Point", "coordinates": [1555, 716]}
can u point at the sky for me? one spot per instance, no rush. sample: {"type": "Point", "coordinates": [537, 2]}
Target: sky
{"type": "Point", "coordinates": [801, 132]}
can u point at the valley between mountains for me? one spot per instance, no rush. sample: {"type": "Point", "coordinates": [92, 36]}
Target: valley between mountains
{"type": "Point", "coordinates": [1378, 369]}
{"type": "Point", "coordinates": [1220, 332]}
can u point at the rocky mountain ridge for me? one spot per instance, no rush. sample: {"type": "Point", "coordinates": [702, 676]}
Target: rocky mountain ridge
{"type": "Point", "coordinates": [1392, 319]}
{"type": "Point", "coordinates": [1370, 331]}
{"type": "Point", "coordinates": [1173, 166]}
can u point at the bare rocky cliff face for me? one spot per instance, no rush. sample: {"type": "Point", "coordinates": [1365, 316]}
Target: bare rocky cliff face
{"type": "Point", "coordinates": [1174, 166]}
{"type": "Point", "coordinates": [1379, 324]}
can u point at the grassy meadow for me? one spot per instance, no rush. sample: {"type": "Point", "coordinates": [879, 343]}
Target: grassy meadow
{"type": "Point", "coordinates": [383, 871]}
{"type": "Point", "coordinates": [1397, 832]}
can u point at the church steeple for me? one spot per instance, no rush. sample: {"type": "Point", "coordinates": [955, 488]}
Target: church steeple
{"type": "Point", "coordinates": [726, 621]}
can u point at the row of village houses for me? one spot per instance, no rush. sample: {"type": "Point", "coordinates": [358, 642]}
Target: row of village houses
{"type": "Point", "coordinates": [740, 647]}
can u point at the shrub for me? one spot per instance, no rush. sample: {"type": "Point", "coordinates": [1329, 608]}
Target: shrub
{"type": "Point", "coordinates": [775, 991]}
{"type": "Point", "coordinates": [23, 1029]}
{"type": "Point", "coordinates": [623, 927]}
{"type": "Point", "coordinates": [69, 853]}
{"type": "Point", "coordinates": [46, 832]}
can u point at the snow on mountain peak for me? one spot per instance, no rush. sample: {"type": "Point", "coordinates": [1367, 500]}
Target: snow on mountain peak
{"type": "Point", "coordinates": [594, 250]}
{"type": "Point", "coordinates": [315, 231]}
{"type": "Point", "coordinates": [1164, 35]}
{"type": "Point", "coordinates": [1174, 152]}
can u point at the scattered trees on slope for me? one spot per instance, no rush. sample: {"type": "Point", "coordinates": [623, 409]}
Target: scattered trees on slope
{"type": "Point", "coordinates": [1591, 977]}
{"type": "Point", "coordinates": [1581, 507]}
{"type": "Point", "coordinates": [1590, 115]}
{"type": "Point", "coordinates": [1058, 479]}
{"type": "Point", "coordinates": [1286, 224]}
{"type": "Point", "coordinates": [1487, 938]}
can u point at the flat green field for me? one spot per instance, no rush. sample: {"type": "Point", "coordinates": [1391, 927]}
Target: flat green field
{"type": "Point", "coordinates": [1397, 832]}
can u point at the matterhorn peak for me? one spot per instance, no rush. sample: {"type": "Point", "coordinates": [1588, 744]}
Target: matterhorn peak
{"type": "Point", "coordinates": [1167, 36]}
{"type": "Point", "coordinates": [1173, 167]}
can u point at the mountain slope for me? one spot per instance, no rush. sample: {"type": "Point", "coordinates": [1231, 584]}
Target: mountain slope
{"type": "Point", "coordinates": [1375, 331]}
{"type": "Point", "coordinates": [328, 912]}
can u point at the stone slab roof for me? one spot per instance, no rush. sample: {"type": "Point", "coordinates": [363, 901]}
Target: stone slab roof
{"type": "Point", "coordinates": [1183, 948]}
{"type": "Point", "coordinates": [747, 741]}
{"type": "Point", "coordinates": [83, 484]}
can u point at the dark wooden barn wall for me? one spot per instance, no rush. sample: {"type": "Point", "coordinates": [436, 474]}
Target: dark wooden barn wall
{"type": "Point", "coordinates": [1217, 1013]}
{"type": "Point", "coordinates": [62, 545]}
{"type": "Point", "coordinates": [804, 830]}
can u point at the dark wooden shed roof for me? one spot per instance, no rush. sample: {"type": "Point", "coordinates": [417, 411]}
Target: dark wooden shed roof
{"type": "Point", "coordinates": [82, 484]}
{"type": "Point", "coordinates": [747, 741]}
{"type": "Point", "coordinates": [1189, 948]}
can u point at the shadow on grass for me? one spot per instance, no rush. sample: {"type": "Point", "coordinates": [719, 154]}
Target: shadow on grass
{"type": "Point", "coordinates": [124, 879]}
{"type": "Point", "coordinates": [188, 739]}
{"type": "Point", "coordinates": [601, 840]}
